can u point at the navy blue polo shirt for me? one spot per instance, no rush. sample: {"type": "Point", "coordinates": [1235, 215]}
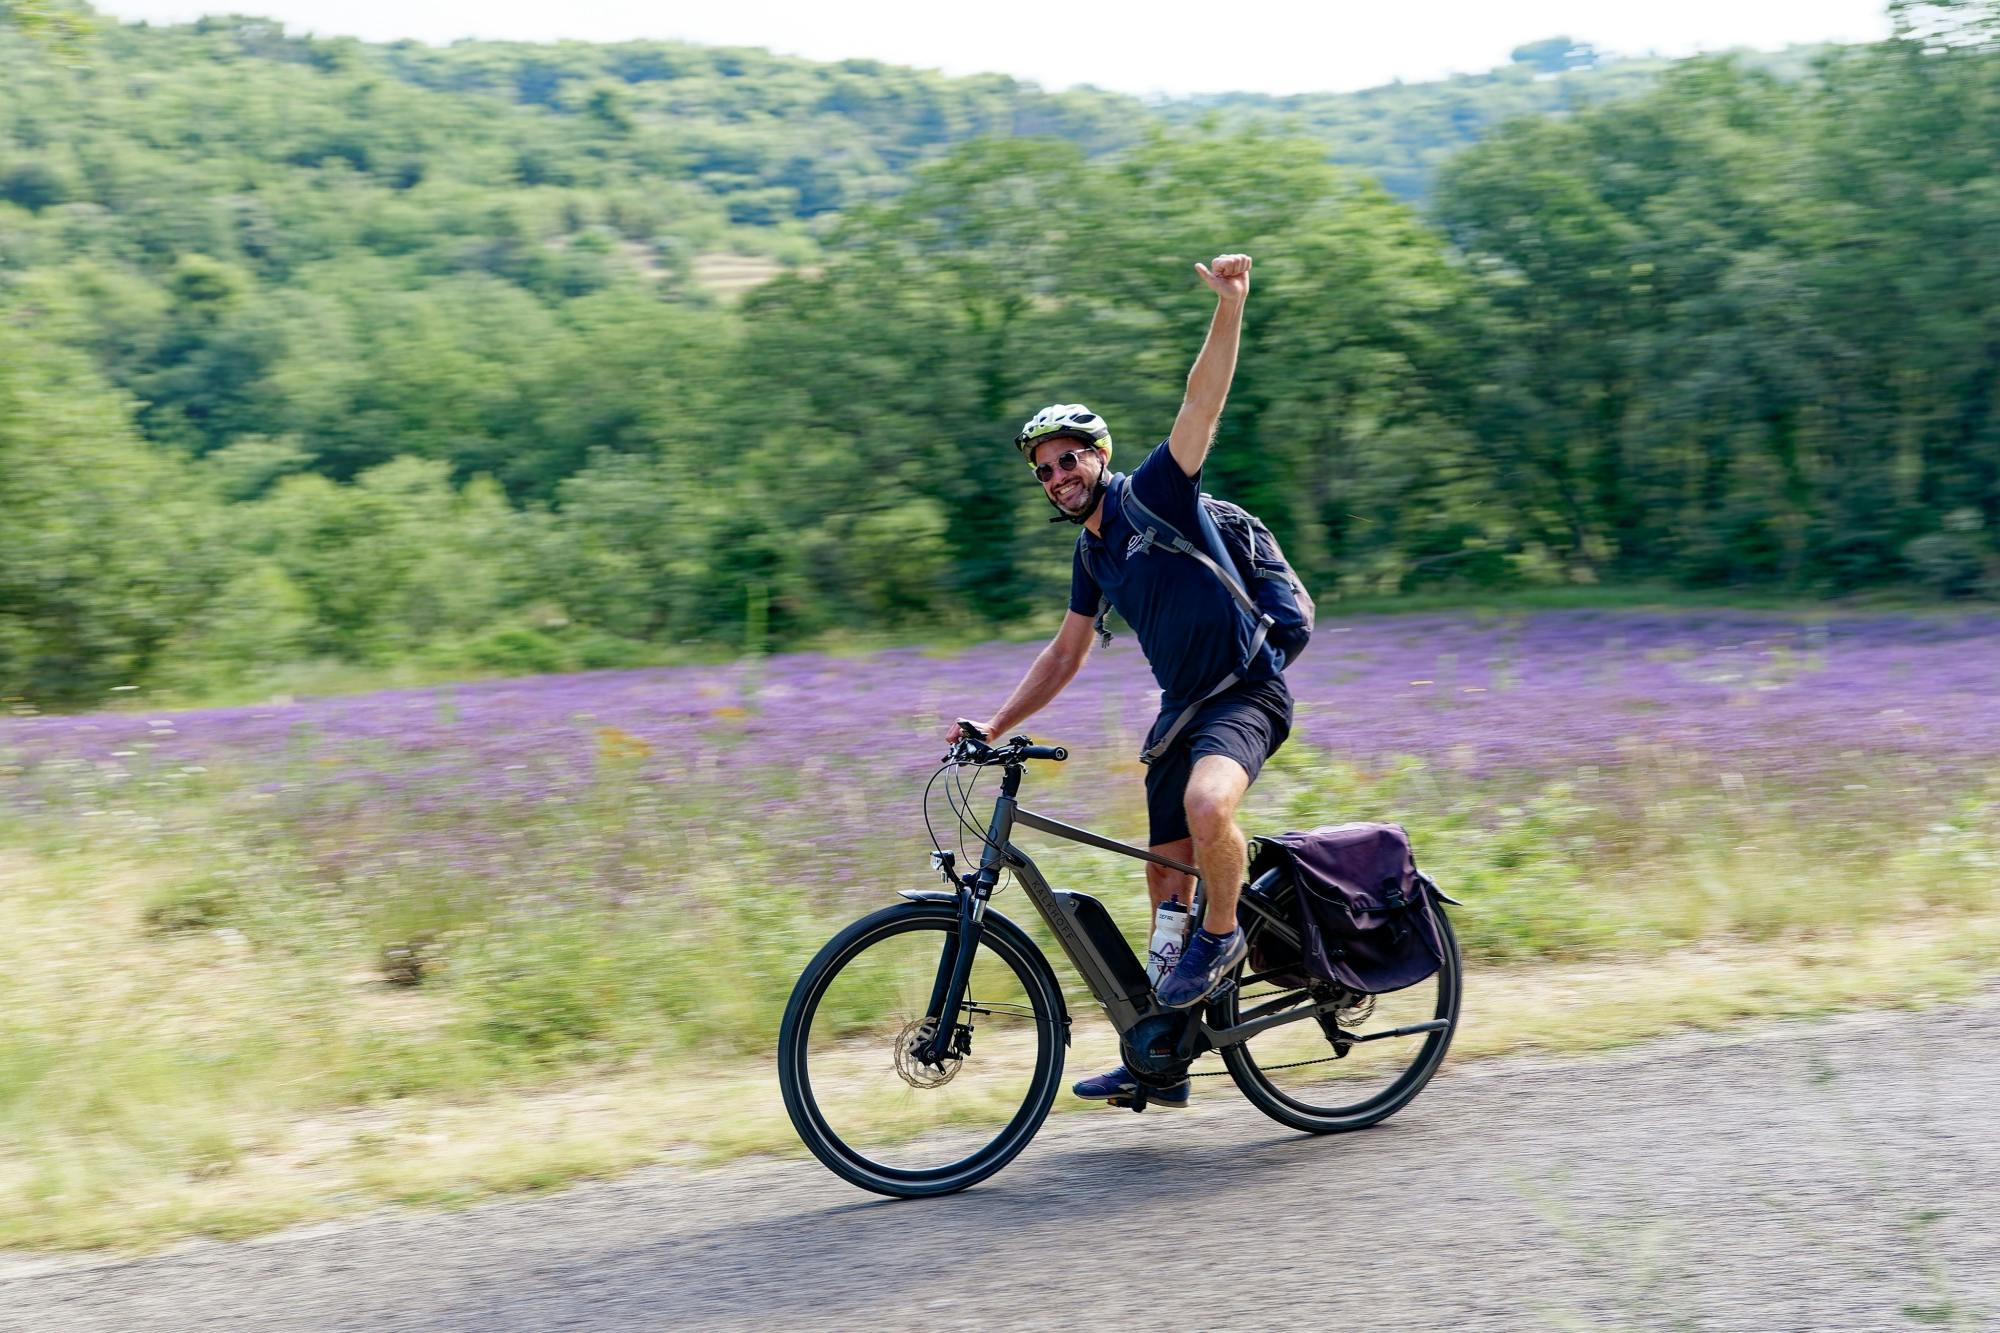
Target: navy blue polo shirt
{"type": "Point", "coordinates": [1192, 631]}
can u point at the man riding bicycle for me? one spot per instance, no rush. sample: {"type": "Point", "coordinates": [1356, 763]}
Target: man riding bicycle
{"type": "Point", "coordinates": [1193, 635]}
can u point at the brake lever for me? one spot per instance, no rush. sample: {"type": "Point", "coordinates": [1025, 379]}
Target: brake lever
{"type": "Point", "coordinates": [963, 749]}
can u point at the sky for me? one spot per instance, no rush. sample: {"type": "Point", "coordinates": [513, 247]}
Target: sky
{"type": "Point", "coordinates": [1165, 46]}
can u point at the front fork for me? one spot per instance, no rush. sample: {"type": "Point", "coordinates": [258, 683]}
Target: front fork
{"type": "Point", "coordinates": [954, 969]}
{"type": "Point", "coordinates": [975, 890]}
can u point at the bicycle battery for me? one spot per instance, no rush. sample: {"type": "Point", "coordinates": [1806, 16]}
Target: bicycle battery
{"type": "Point", "coordinates": [1094, 924]}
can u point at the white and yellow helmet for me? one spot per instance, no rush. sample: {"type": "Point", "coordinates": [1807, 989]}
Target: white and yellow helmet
{"type": "Point", "coordinates": [1064, 419]}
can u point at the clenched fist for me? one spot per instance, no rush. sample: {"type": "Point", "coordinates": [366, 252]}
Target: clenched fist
{"type": "Point", "coordinates": [1229, 276]}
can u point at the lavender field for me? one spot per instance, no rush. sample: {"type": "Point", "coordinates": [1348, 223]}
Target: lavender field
{"type": "Point", "coordinates": [437, 892]}
{"type": "Point", "coordinates": [1517, 692]}
{"type": "Point", "coordinates": [797, 780]}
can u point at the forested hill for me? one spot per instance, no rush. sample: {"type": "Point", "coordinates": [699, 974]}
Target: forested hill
{"type": "Point", "coordinates": [319, 350]}
{"type": "Point", "coordinates": [751, 138]}
{"type": "Point", "coordinates": [1402, 133]}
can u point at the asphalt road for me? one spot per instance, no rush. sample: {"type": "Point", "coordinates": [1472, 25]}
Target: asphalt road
{"type": "Point", "coordinates": [1841, 1174]}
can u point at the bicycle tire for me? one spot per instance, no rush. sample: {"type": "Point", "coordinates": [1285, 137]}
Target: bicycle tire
{"type": "Point", "coordinates": [861, 1166]}
{"type": "Point", "coordinates": [1312, 1117]}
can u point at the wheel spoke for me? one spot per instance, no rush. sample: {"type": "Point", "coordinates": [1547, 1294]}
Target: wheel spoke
{"type": "Point", "coordinates": [856, 1048]}
{"type": "Point", "coordinates": [1352, 1066]}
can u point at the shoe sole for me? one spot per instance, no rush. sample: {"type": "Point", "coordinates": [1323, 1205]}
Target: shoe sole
{"type": "Point", "coordinates": [1125, 1099]}
{"type": "Point", "coordinates": [1125, 1104]}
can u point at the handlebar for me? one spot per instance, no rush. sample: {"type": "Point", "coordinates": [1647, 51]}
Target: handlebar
{"type": "Point", "coordinates": [972, 748]}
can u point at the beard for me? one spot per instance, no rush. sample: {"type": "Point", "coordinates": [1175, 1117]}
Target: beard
{"type": "Point", "coordinates": [1075, 495]}
{"type": "Point", "coordinates": [1075, 492]}
{"type": "Point", "coordinates": [1077, 499]}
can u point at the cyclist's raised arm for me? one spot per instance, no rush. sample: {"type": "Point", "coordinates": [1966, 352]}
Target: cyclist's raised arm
{"type": "Point", "coordinates": [1054, 667]}
{"type": "Point", "coordinates": [1208, 382]}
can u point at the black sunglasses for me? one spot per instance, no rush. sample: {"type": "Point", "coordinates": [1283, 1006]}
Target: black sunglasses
{"type": "Point", "coordinates": [1065, 460]}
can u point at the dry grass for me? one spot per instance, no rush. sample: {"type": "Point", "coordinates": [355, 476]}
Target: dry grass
{"type": "Point", "coordinates": [163, 1086]}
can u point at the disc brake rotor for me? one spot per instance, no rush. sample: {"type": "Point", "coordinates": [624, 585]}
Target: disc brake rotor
{"type": "Point", "coordinates": [916, 1034]}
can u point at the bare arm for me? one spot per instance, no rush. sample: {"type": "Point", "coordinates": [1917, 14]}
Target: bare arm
{"type": "Point", "coordinates": [1208, 382]}
{"type": "Point", "coordinates": [1054, 668]}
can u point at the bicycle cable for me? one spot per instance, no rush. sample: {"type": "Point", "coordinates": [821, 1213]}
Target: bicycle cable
{"type": "Point", "coordinates": [958, 796]}
{"type": "Point", "coordinates": [926, 807]}
{"type": "Point", "coordinates": [963, 809]}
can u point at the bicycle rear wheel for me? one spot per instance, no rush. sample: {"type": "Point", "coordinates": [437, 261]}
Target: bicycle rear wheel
{"type": "Point", "coordinates": [870, 1112]}
{"type": "Point", "coordinates": [1295, 1073]}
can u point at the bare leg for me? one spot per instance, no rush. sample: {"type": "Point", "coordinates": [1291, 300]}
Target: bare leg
{"type": "Point", "coordinates": [1164, 882]}
{"type": "Point", "coordinates": [1214, 790]}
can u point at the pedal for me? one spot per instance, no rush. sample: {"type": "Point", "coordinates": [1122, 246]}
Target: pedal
{"type": "Point", "coordinates": [1136, 1102]}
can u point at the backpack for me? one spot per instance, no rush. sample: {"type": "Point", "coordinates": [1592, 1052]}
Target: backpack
{"type": "Point", "coordinates": [1257, 575]}
{"type": "Point", "coordinates": [1361, 907]}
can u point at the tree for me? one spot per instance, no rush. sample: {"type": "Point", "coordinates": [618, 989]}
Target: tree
{"type": "Point", "coordinates": [1336, 430]}
{"type": "Point", "coordinates": [33, 186]}
{"type": "Point", "coordinates": [904, 368]}
{"type": "Point", "coordinates": [46, 19]}
{"type": "Point", "coordinates": [108, 545]}
{"type": "Point", "coordinates": [395, 560]}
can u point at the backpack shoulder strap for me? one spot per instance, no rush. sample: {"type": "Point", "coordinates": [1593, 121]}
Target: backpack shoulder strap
{"type": "Point", "coordinates": [1156, 531]}
{"type": "Point", "coordinates": [1160, 746]}
{"type": "Point", "coordinates": [1103, 600]}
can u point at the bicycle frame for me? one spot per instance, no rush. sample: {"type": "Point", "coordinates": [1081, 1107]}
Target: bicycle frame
{"type": "Point", "coordinates": [1095, 948]}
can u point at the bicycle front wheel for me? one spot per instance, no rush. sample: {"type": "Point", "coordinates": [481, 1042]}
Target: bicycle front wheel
{"type": "Point", "coordinates": [872, 1113]}
{"type": "Point", "coordinates": [1299, 1076]}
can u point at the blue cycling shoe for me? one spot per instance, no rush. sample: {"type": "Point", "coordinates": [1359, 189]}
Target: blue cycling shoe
{"type": "Point", "coordinates": [1119, 1088]}
{"type": "Point", "coordinates": [1203, 965]}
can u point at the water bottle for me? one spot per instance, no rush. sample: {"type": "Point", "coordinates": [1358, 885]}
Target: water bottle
{"type": "Point", "coordinates": [1170, 932]}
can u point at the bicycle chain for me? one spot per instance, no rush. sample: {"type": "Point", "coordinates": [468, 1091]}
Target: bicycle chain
{"type": "Point", "coordinates": [1272, 1069]}
{"type": "Point", "coordinates": [1269, 1069]}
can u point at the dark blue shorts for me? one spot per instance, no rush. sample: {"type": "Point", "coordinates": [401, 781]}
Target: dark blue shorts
{"type": "Point", "coordinates": [1247, 723]}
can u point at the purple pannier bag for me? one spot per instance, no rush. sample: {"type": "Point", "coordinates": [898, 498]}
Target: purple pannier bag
{"type": "Point", "coordinates": [1362, 910]}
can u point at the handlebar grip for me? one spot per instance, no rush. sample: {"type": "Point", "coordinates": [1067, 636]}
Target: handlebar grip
{"type": "Point", "coordinates": [1055, 752]}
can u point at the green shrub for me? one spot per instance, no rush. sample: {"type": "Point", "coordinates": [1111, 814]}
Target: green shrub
{"type": "Point", "coordinates": [1948, 563]}
{"type": "Point", "coordinates": [191, 905]}
{"type": "Point", "coordinates": [517, 649]}
{"type": "Point", "coordinates": [562, 988]}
